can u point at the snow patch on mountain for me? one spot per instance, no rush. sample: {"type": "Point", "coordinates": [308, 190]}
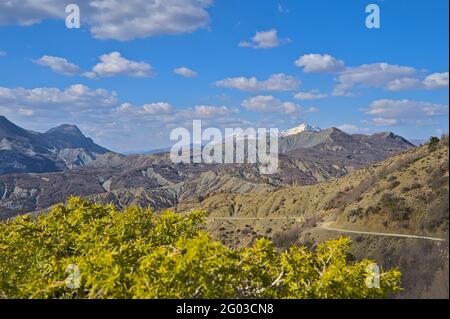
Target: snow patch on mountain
{"type": "Point", "coordinates": [301, 128]}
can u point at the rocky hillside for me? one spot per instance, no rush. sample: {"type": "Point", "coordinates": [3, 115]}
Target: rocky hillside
{"type": "Point", "coordinates": [406, 193]}
{"type": "Point", "coordinates": [153, 180]}
{"type": "Point", "coordinates": [63, 147]}
{"type": "Point", "coordinates": [406, 196]}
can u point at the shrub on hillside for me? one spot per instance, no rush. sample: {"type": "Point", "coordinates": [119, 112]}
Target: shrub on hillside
{"type": "Point", "coordinates": [438, 214]}
{"type": "Point", "coordinates": [395, 207]}
{"type": "Point", "coordinates": [137, 254]}
{"type": "Point", "coordinates": [432, 143]}
{"type": "Point", "coordinates": [411, 187]}
{"type": "Point", "coordinates": [438, 177]}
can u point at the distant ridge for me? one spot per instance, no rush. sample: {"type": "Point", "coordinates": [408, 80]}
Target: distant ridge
{"type": "Point", "coordinates": [62, 147]}
{"type": "Point", "coordinates": [305, 158]}
{"type": "Point", "coordinates": [307, 136]}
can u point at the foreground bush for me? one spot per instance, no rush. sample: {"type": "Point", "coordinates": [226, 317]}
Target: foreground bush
{"type": "Point", "coordinates": [82, 250]}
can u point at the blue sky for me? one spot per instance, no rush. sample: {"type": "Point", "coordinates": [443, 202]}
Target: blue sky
{"type": "Point", "coordinates": [239, 63]}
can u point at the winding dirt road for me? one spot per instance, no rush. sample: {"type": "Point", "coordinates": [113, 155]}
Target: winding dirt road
{"type": "Point", "coordinates": [327, 226]}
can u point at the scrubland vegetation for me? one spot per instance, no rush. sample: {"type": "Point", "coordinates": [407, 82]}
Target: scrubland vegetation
{"type": "Point", "coordinates": [83, 250]}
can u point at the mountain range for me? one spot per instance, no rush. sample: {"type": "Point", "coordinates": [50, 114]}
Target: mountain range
{"type": "Point", "coordinates": [63, 147]}
{"type": "Point", "coordinates": [46, 168]}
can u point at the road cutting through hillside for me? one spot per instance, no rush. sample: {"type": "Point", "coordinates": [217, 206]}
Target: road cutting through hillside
{"type": "Point", "coordinates": [297, 219]}
{"type": "Point", "coordinates": [326, 226]}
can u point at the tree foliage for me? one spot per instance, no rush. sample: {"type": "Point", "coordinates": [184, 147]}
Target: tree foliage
{"type": "Point", "coordinates": [137, 254]}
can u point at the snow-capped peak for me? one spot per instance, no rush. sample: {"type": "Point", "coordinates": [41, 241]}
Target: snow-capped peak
{"type": "Point", "coordinates": [301, 128]}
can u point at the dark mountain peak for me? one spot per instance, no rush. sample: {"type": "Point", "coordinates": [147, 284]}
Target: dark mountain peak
{"type": "Point", "coordinates": [66, 129]}
{"type": "Point", "coordinates": [335, 130]}
{"type": "Point", "coordinates": [70, 136]}
{"type": "Point", "coordinates": [392, 136]}
{"type": "Point", "coordinates": [4, 122]}
{"type": "Point", "coordinates": [385, 134]}
{"type": "Point", "coordinates": [62, 147]}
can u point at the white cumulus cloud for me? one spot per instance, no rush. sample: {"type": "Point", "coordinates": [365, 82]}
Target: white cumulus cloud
{"type": "Point", "coordinates": [116, 19]}
{"type": "Point", "coordinates": [276, 82]}
{"type": "Point", "coordinates": [372, 75]}
{"type": "Point", "coordinates": [186, 72]}
{"type": "Point", "coordinates": [401, 84]}
{"type": "Point", "coordinates": [114, 64]}
{"type": "Point", "coordinates": [386, 112]}
{"type": "Point", "coordinates": [208, 111]}
{"type": "Point", "coordinates": [381, 121]}
{"type": "Point", "coordinates": [351, 128]}
{"type": "Point", "coordinates": [59, 105]}
{"type": "Point", "coordinates": [270, 104]}
{"type": "Point", "coordinates": [58, 65]}
{"type": "Point", "coordinates": [157, 108]}
{"type": "Point", "coordinates": [264, 40]}
{"type": "Point", "coordinates": [319, 63]}
{"type": "Point", "coordinates": [431, 82]}
{"type": "Point", "coordinates": [382, 75]}
{"type": "Point", "coordinates": [311, 95]}
{"type": "Point", "coordinates": [436, 81]}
